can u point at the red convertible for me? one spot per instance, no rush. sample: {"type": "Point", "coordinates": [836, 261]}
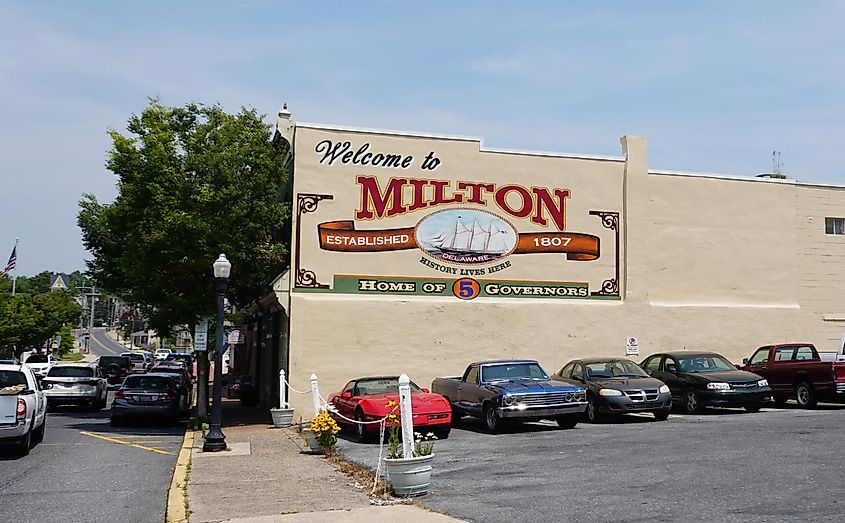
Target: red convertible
{"type": "Point", "coordinates": [365, 399]}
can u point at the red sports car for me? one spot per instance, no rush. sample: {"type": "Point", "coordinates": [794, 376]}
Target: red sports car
{"type": "Point", "coordinates": [365, 399]}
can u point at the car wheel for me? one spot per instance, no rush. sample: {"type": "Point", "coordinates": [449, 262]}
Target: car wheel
{"type": "Point", "coordinates": [754, 407]}
{"type": "Point", "coordinates": [805, 395]}
{"type": "Point", "coordinates": [491, 419]}
{"type": "Point", "coordinates": [780, 401]}
{"type": "Point", "coordinates": [115, 421]}
{"type": "Point", "coordinates": [692, 404]}
{"type": "Point", "coordinates": [442, 434]}
{"type": "Point", "coordinates": [39, 434]}
{"type": "Point", "coordinates": [661, 415]}
{"type": "Point", "coordinates": [567, 421]}
{"type": "Point", "coordinates": [361, 430]}
{"type": "Point", "coordinates": [456, 416]}
{"type": "Point", "coordinates": [25, 444]}
{"type": "Point", "coordinates": [591, 413]}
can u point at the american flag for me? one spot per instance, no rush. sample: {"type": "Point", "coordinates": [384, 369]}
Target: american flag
{"type": "Point", "coordinates": [13, 261]}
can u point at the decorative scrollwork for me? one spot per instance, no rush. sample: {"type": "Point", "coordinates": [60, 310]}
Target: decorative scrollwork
{"type": "Point", "coordinates": [610, 220]}
{"type": "Point", "coordinates": [306, 203]}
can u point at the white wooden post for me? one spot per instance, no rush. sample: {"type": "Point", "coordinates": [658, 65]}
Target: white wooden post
{"type": "Point", "coordinates": [407, 416]}
{"type": "Point", "coordinates": [283, 400]}
{"type": "Point", "coordinates": [315, 394]}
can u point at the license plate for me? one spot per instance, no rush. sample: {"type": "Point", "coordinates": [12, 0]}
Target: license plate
{"type": "Point", "coordinates": [67, 385]}
{"type": "Point", "coordinates": [145, 398]}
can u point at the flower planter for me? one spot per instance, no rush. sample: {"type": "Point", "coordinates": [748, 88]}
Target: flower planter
{"type": "Point", "coordinates": [282, 418]}
{"type": "Point", "coordinates": [313, 443]}
{"type": "Point", "coordinates": [409, 476]}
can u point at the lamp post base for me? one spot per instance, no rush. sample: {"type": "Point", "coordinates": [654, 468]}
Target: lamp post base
{"type": "Point", "coordinates": [215, 441]}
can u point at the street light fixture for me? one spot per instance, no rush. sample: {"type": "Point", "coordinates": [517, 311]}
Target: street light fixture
{"type": "Point", "coordinates": [215, 440]}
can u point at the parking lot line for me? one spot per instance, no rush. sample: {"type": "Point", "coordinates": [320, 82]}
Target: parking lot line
{"type": "Point", "coordinates": [131, 444]}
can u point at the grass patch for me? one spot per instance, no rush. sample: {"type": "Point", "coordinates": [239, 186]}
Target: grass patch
{"type": "Point", "coordinates": [73, 356]}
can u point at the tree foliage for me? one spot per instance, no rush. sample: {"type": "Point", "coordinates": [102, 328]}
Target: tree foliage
{"type": "Point", "coordinates": [28, 320]}
{"type": "Point", "coordinates": [193, 182]}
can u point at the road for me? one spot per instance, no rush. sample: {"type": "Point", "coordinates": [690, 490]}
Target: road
{"type": "Point", "coordinates": [725, 465]}
{"type": "Point", "coordinates": [87, 471]}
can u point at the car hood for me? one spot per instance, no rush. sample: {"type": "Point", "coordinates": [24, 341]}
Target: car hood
{"type": "Point", "coordinates": [728, 376]}
{"type": "Point", "coordinates": [629, 383]}
{"type": "Point", "coordinates": [532, 386]}
{"type": "Point", "coordinates": [419, 400]}
{"type": "Point", "coordinates": [69, 379]}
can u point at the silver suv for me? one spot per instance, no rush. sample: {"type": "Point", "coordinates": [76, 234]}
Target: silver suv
{"type": "Point", "coordinates": [75, 384]}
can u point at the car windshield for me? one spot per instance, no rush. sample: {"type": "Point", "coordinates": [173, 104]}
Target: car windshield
{"type": "Point", "coordinates": [10, 378]}
{"type": "Point", "coordinates": [108, 360]}
{"type": "Point", "coordinates": [71, 372]}
{"type": "Point", "coordinates": [602, 370]}
{"type": "Point", "coordinates": [37, 358]}
{"type": "Point", "coordinates": [148, 383]}
{"type": "Point", "coordinates": [135, 356]}
{"type": "Point", "coordinates": [382, 386]}
{"type": "Point", "coordinates": [513, 371]}
{"type": "Point", "coordinates": [704, 363]}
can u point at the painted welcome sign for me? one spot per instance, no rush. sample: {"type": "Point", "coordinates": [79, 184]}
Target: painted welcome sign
{"type": "Point", "coordinates": [458, 227]}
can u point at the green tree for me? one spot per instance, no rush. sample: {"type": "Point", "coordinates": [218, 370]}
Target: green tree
{"type": "Point", "coordinates": [28, 320]}
{"type": "Point", "coordinates": [193, 182]}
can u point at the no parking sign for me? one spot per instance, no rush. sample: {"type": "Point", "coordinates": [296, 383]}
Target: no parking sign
{"type": "Point", "coordinates": [632, 347]}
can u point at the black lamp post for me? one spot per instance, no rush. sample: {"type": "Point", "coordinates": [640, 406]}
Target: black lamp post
{"type": "Point", "coordinates": [215, 440]}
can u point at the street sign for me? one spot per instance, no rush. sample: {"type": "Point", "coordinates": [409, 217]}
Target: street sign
{"type": "Point", "coordinates": [235, 337]}
{"type": "Point", "coordinates": [201, 336]}
{"type": "Point", "coordinates": [632, 347]}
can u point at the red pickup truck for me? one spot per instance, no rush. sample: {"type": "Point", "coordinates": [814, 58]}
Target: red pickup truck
{"type": "Point", "coordinates": [795, 370]}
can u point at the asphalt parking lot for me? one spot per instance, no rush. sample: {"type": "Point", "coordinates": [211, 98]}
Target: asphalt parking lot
{"type": "Point", "coordinates": [726, 465]}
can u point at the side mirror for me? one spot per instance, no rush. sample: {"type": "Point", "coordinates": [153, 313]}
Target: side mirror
{"type": "Point", "coordinates": [426, 390]}
{"type": "Point", "coordinates": [744, 361]}
{"type": "Point", "coordinates": [346, 395]}
{"type": "Point", "coordinates": [671, 369]}
{"type": "Point", "coordinates": [738, 367]}
{"type": "Point", "coordinates": [46, 386]}
{"type": "Point", "coordinates": [649, 372]}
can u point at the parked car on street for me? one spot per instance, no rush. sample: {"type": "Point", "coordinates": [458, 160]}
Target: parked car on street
{"type": "Point", "coordinates": [152, 396]}
{"type": "Point", "coordinates": [39, 363]}
{"type": "Point", "coordinates": [184, 357]}
{"type": "Point", "coordinates": [796, 371]}
{"type": "Point", "coordinates": [185, 386]}
{"type": "Point", "coordinates": [114, 368]}
{"type": "Point", "coordinates": [504, 390]}
{"type": "Point", "coordinates": [706, 379]}
{"type": "Point", "coordinates": [140, 361]}
{"type": "Point", "coordinates": [162, 354]}
{"type": "Point", "coordinates": [23, 409]}
{"type": "Point", "coordinates": [75, 384]}
{"type": "Point", "coordinates": [365, 399]}
{"type": "Point", "coordinates": [617, 386]}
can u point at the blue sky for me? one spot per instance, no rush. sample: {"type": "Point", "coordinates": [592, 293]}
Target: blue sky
{"type": "Point", "coordinates": [716, 86]}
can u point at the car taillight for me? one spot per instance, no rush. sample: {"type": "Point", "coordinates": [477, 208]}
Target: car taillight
{"type": "Point", "coordinates": [120, 394]}
{"type": "Point", "coordinates": [20, 412]}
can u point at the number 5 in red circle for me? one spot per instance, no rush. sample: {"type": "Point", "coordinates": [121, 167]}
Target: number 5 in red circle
{"type": "Point", "coordinates": [466, 288]}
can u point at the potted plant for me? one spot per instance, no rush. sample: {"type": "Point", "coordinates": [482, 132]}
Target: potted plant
{"type": "Point", "coordinates": [321, 433]}
{"type": "Point", "coordinates": [282, 418]}
{"type": "Point", "coordinates": [411, 475]}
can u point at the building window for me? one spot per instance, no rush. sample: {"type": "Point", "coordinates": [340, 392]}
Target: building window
{"type": "Point", "coordinates": [834, 225]}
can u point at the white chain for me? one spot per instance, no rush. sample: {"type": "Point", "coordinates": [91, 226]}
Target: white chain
{"type": "Point", "coordinates": [296, 391]}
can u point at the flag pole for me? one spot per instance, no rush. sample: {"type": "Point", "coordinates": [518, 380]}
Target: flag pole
{"type": "Point", "coordinates": [15, 277]}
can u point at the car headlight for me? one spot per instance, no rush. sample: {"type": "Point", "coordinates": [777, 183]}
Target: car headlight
{"type": "Point", "coordinates": [664, 389]}
{"type": "Point", "coordinates": [718, 386]}
{"type": "Point", "coordinates": [762, 383]}
{"type": "Point", "coordinates": [508, 399]}
{"type": "Point", "coordinates": [610, 392]}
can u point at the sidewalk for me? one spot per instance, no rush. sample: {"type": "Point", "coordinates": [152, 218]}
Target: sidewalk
{"type": "Point", "coordinates": [266, 477]}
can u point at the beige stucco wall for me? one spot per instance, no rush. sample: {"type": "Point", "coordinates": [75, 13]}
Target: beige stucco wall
{"type": "Point", "coordinates": [820, 257]}
{"type": "Point", "coordinates": [705, 263]}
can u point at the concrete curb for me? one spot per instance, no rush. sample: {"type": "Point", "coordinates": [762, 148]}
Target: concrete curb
{"type": "Point", "coordinates": [176, 511]}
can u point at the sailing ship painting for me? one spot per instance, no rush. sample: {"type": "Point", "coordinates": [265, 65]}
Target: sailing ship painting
{"type": "Point", "coordinates": [465, 236]}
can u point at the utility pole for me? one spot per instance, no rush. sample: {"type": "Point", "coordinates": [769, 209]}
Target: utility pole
{"type": "Point", "coordinates": [91, 301]}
